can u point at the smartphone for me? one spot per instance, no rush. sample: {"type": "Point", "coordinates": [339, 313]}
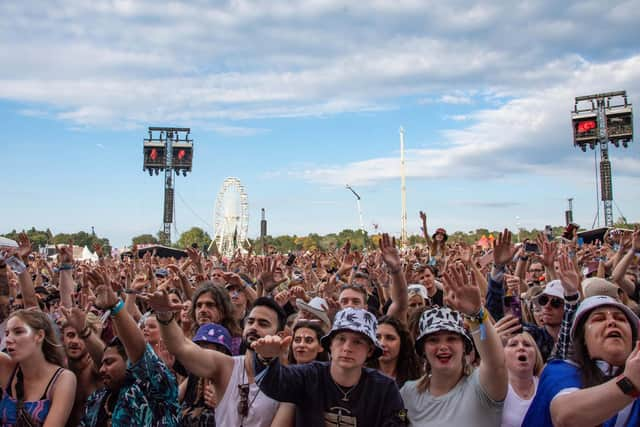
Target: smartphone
{"type": "Point", "coordinates": [531, 247]}
{"type": "Point", "coordinates": [16, 264]}
{"type": "Point", "coordinates": [511, 304]}
{"type": "Point", "coordinates": [291, 260]}
{"type": "Point", "coordinates": [580, 242]}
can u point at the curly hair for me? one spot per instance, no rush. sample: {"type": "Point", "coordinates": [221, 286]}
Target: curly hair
{"type": "Point", "coordinates": [408, 363]}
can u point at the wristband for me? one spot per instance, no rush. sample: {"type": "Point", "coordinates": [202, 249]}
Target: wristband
{"type": "Point", "coordinates": [395, 271]}
{"type": "Point", "coordinates": [65, 266]}
{"type": "Point", "coordinates": [116, 308]}
{"type": "Point", "coordinates": [572, 298]}
{"type": "Point", "coordinates": [265, 361]}
{"type": "Point", "coordinates": [478, 320]}
{"type": "Point", "coordinates": [162, 321]}
{"type": "Point", "coordinates": [627, 387]}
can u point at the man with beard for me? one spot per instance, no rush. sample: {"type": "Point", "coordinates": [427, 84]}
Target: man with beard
{"type": "Point", "coordinates": [139, 389]}
{"type": "Point", "coordinates": [233, 378]}
{"type": "Point", "coordinates": [84, 350]}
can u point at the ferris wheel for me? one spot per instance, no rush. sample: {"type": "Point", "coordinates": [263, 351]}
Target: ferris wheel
{"type": "Point", "coordinates": [231, 217]}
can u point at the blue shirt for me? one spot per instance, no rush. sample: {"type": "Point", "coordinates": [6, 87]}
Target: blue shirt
{"type": "Point", "coordinates": [557, 376]}
{"type": "Point", "coordinates": [148, 397]}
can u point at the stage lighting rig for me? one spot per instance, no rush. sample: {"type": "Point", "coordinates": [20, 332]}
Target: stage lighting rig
{"type": "Point", "coordinates": [164, 150]}
{"type": "Point", "coordinates": [608, 117]}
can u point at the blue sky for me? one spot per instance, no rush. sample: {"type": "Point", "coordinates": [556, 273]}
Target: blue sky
{"type": "Point", "coordinates": [298, 99]}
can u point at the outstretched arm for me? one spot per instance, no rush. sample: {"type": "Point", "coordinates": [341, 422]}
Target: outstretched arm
{"type": "Point", "coordinates": [399, 296]}
{"type": "Point", "coordinates": [464, 296]}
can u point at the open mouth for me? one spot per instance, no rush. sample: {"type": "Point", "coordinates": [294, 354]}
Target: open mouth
{"type": "Point", "coordinates": [522, 358]}
{"type": "Point", "coordinates": [444, 358]}
{"type": "Point", "coordinates": [614, 334]}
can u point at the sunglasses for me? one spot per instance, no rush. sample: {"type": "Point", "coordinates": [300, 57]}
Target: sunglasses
{"type": "Point", "coordinates": [543, 300]}
{"type": "Point", "coordinates": [243, 403]}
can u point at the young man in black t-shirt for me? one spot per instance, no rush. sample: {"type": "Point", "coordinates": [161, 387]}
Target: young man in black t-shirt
{"type": "Point", "coordinates": [337, 393]}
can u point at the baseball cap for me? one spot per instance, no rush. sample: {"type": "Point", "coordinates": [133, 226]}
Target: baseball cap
{"type": "Point", "coordinates": [417, 289]}
{"type": "Point", "coordinates": [598, 286]}
{"type": "Point", "coordinates": [554, 288]}
{"type": "Point", "coordinates": [318, 307]}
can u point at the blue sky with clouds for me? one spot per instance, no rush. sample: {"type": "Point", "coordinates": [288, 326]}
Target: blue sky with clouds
{"type": "Point", "coordinates": [298, 99]}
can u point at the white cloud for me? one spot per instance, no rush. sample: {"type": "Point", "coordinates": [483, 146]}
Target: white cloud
{"type": "Point", "coordinates": [529, 134]}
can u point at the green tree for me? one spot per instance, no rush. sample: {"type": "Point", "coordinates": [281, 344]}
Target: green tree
{"type": "Point", "coordinates": [144, 238]}
{"type": "Point", "coordinates": [194, 235]}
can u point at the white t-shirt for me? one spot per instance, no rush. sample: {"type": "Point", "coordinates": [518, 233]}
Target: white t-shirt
{"type": "Point", "coordinates": [515, 408]}
{"type": "Point", "coordinates": [467, 404]}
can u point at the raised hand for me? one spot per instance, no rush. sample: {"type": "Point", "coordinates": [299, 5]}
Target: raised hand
{"type": "Point", "coordinates": [568, 276]}
{"type": "Point", "coordinates": [24, 246]}
{"type": "Point", "coordinates": [160, 302]}
{"type": "Point", "coordinates": [507, 327]}
{"type": "Point", "coordinates": [281, 298]}
{"type": "Point", "coordinates": [65, 254]}
{"type": "Point", "coordinates": [390, 253]}
{"type": "Point", "coordinates": [271, 346]}
{"type": "Point", "coordinates": [503, 250]}
{"type": "Point", "coordinates": [463, 293]}
{"type": "Point", "coordinates": [266, 276]}
{"type": "Point", "coordinates": [548, 249]}
{"type": "Point", "coordinates": [76, 318]}
{"type": "Point", "coordinates": [106, 298]}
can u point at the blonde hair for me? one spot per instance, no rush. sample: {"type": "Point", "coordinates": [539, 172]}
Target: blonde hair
{"type": "Point", "coordinates": [539, 364]}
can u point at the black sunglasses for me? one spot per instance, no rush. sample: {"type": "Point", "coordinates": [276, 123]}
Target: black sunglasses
{"type": "Point", "coordinates": [545, 299]}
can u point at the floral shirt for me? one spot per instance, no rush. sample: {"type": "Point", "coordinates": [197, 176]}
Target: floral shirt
{"type": "Point", "coordinates": [148, 397]}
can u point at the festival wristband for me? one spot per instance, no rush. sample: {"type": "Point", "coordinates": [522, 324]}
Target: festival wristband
{"type": "Point", "coordinates": [116, 308]}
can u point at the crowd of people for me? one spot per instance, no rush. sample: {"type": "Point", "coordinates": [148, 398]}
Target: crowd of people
{"type": "Point", "coordinates": [540, 333]}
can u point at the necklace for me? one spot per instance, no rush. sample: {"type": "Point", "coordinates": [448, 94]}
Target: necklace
{"type": "Point", "coordinates": [107, 411]}
{"type": "Point", "coordinates": [345, 394]}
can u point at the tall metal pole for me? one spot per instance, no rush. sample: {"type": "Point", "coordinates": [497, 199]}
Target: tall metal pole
{"type": "Point", "coordinates": [403, 190]}
{"type": "Point", "coordinates": [168, 188]}
{"type": "Point", "coordinates": [605, 165]}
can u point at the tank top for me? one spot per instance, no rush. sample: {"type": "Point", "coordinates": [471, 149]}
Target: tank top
{"type": "Point", "coordinates": [262, 409]}
{"type": "Point", "coordinates": [37, 410]}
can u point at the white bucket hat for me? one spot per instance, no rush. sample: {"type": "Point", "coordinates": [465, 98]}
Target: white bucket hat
{"type": "Point", "coordinates": [437, 319]}
{"type": "Point", "coordinates": [354, 320]}
{"type": "Point", "coordinates": [318, 307]}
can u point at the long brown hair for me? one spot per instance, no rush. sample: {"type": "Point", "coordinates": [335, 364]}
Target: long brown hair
{"type": "Point", "coordinates": [223, 304]}
{"type": "Point", "coordinates": [52, 348]}
{"type": "Point", "coordinates": [408, 363]}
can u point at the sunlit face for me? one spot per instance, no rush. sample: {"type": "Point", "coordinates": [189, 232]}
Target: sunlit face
{"type": "Point", "coordinates": [260, 322]}
{"type": "Point", "coordinates": [206, 310]}
{"type": "Point", "coordinates": [351, 298]}
{"type": "Point", "coordinates": [552, 311]}
{"type": "Point", "coordinates": [305, 345]}
{"type": "Point", "coordinates": [113, 368]}
{"type": "Point", "coordinates": [217, 277]}
{"type": "Point", "coordinates": [416, 301]}
{"type": "Point", "coordinates": [608, 335]}
{"type": "Point", "coordinates": [520, 355]}
{"type": "Point", "coordinates": [350, 350]}
{"type": "Point", "coordinates": [238, 297]}
{"type": "Point", "coordinates": [74, 346]}
{"type": "Point", "coordinates": [428, 280]}
{"type": "Point", "coordinates": [390, 341]}
{"type": "Point", "coordinates": [151, 330]}
{"type": "Point", "coordinates": [444, 352]}
{"type": "Point", "coordinates": [21, 339]}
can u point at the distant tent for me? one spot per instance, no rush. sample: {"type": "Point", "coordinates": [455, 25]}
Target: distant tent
{"type": "Point", "coordinates": [87, 255]}
{"type": "Point", "coordinates": [484, 242]}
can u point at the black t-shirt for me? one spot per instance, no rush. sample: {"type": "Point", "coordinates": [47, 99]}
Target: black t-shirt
{"type": "Point", "coordinates": [374, 402]}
